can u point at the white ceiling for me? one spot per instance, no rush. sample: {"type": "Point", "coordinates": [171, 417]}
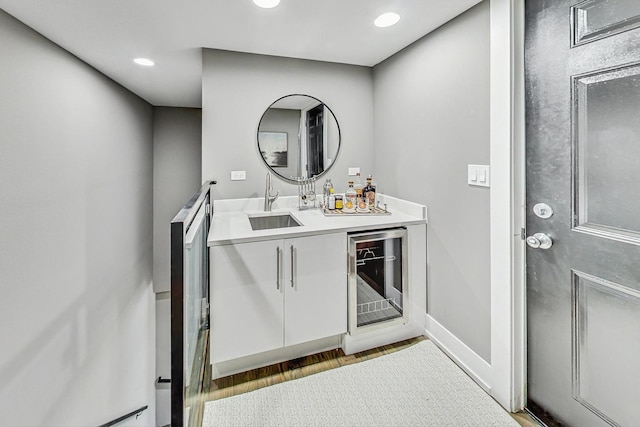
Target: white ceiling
{"type": "Point", "coordinates": [108, 34]}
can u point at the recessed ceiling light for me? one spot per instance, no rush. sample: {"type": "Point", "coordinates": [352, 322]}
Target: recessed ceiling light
{"type": "Point", "coordinates": [144, 61]}
{"type": "Point", "coordinates": [386, 19]}
{"type": "Point", "coordinates": [267, 4]}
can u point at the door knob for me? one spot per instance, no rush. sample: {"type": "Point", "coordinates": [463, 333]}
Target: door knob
{"type": "Point", "coordinates": [539, 240]}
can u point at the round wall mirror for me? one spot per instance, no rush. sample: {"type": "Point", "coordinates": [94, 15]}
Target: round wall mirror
{"type": "Point", "coordinates": [298, 137]}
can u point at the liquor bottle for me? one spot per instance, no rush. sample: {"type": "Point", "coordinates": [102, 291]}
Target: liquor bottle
{"type": "Point", "coordinates": [331, 203]}
{"type": "Point", "coordinates": [357, 185]}
{"type": "Point", "coordinates": [369, 192]}
{"type": "Point", "coordinates": [350, 198]}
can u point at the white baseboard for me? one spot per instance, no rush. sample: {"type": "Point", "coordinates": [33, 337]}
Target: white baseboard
{"type": "Point", "coordinates": [356, 343]}
{"type": "Point", "coordinates": [475, 366]}
{"type": "Point", "coordinates": [242, 364]}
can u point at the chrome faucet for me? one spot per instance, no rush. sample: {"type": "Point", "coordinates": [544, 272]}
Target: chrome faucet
{"type": "Point", "coordinates": [268, 198]}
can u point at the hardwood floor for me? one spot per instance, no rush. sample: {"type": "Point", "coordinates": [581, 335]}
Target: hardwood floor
{"type": "Point", "coordinates": [525, 420]}
{"type": "Point", "coordinates": [274, 374]}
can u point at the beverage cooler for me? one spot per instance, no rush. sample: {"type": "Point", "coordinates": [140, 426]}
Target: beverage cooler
{"type": "Point", "coordinates": [377, 279]}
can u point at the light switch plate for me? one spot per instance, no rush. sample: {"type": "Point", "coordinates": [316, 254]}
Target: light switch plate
{"type": "Point", "coordinates": [479, 175]}
{"type": "Point", "coordinates": [238, 175]}
{"type": "Point", "coordinates": [473, 174]}
{"type": "Point", "coordinates": [354, 171]}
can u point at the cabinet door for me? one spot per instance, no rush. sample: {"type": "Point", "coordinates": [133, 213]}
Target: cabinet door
{"type": "Point", "coordinates": [246, 299]}
{"type": "Point", "coordinates": [316, 299]}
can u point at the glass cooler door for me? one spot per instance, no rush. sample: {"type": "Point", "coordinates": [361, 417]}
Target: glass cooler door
{"type": "Point", "coordinates": [377, 284]}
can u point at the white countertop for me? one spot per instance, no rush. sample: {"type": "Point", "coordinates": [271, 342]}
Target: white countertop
{"type": "Point", "coordinates": [231, 225]}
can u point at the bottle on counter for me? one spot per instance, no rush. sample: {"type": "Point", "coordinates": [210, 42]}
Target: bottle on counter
{"type": "Point", "coordinates": [357, 185]}
{"type": "Point", "coordinates": [369, 192]}
{"type": "Point", "coordinates": [331, 201]}
{"type": "Point", "coordinates": [339, 201]}
{"type": "Point", "coordinates": [350, 199]}
{"type": "Point", "coordinates": [375, 186]}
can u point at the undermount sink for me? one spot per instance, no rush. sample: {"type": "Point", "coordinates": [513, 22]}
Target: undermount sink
{"type": "Point", "coordinates": [267, 222]}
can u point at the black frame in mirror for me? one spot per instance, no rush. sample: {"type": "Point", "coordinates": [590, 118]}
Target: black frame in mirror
{"type": "Point", "coordinates": [298, 137]}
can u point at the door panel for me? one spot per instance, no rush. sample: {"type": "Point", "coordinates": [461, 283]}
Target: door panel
{"type": "Point", "coordinates": [596, 19]}
{"type": "Point", "coordinates": [606, 374]}
{"type": "Point", "coordinates": [316, 287]}
{"type": "Point", "coordinates": [315, 151]}
{"type": "Point", "coordinates": [583, 149]}
{"type": "Point", "coordinates": [607, 149]}
{"type": "Point", "coordinates": [247, 313]}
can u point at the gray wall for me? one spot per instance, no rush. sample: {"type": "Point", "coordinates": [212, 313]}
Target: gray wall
{"type": "Point", "coordinates": [177, 153]}
{"type": "Point", "coordinates": [431, 109]}
{"type": "Point", "coordinates": [77, 308]}
{"type": "Point", "coordinates": [239, 87]}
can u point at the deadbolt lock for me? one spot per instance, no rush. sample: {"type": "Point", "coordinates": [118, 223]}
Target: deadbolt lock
{"type": "Point", "coordinates": [543, 210]}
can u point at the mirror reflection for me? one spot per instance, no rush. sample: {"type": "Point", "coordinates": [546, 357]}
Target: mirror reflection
{"type": "Point", "coordinates": [298, 137]}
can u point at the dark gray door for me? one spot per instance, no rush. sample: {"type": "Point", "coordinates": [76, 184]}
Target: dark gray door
{"type": "Point", "coordinates": [315, 148]}
{"type": "Point", "coordinates": [583, 161]}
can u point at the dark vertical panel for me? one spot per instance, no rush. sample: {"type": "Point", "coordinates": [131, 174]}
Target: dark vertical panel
{"type": "Point", "coordinates": [177, 320]}
{"type": "Point", "coordinates": [198, 384]}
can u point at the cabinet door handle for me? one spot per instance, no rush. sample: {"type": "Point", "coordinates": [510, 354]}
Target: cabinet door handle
{"type": "Point", "coordinates": [292, 268]}
{"type": "Point", "coordinates": [278, 268]}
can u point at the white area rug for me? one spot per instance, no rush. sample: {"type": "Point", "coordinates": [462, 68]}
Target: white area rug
{"type": "Point", "coordinates": [417, 386]}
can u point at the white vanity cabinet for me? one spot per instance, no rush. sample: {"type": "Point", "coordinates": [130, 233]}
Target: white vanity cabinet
{"type": "Point", "coordinates": [246, 299]}
{"type": "Point", "coordinates": [316, 299]}
{"type": "Point", "coordinates": [271, 294]}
